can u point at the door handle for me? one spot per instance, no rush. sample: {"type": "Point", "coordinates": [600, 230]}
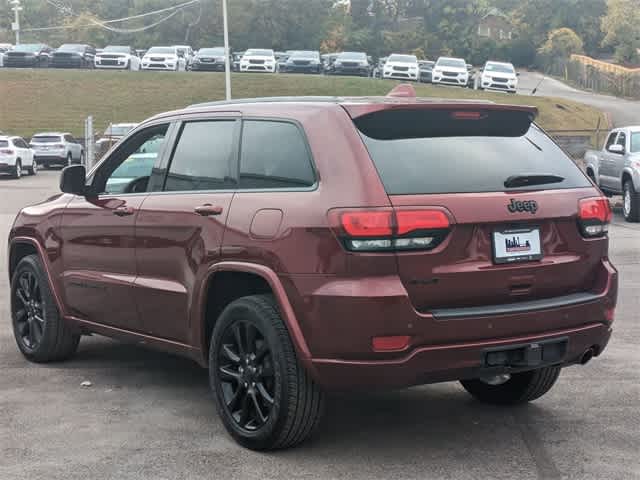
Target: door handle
{"type": "Point", "coordinates": [208, 210]}
{"type": "Point", "coordinates": [123, 211]}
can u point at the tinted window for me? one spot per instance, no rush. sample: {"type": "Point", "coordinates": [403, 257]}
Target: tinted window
{"type": "Point", "coordinates": [69, 139]}
{"type": "Point", "coordinates": [469, 164]}
{"type": "Point", "coordinates": [622, 139]}
{"type": "Point", "coordinates": [202, 158]}
{"type": "Point", "coordinates": [611, 140]}
{"type": "Point", "coordinates": [134, 161]}
{"type": "Point", "coordinates": [4, 144]}
{"type": "Point", "coordinates": [635, 142]}
{"type": "Point", "coordinates": [274, 155]}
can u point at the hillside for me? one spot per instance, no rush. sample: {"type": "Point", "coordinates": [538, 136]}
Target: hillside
{"type": "Point", "coordinates": [40, 100]}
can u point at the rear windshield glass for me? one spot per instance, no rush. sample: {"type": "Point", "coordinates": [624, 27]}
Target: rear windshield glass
{"type": "Point", "coordinates": [4, 144]}
{"type": "Point", "coordinates": [470, 164]}
{"type": "Point", "coordinates": [48, 139]}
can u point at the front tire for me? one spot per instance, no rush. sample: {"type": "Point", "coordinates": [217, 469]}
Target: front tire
{"type": "Point", "coordinates": [17, 170]}
{"type": "Point", "coordinates": [520, 388]}
{"type": "Point", "coordinates": [631, 202]}
{"type": "Point", "coordinates": [263, 394]}
{"type": "Point", "coordinates": [40, 332]}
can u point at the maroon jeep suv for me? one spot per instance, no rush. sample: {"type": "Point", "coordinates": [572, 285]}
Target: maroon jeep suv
{"type": "Point", "coordinates": [300, 245]}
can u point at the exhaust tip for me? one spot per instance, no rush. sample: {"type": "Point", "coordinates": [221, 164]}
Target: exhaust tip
{"type": "Point", "coordinates": [587, 356]}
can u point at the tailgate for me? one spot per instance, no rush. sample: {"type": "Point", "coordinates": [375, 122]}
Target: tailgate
{"type": "Point", "coordinates": [512, 197]}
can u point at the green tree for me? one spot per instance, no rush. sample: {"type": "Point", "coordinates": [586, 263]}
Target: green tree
{"type": "Point", "coordinates": [621, 27]}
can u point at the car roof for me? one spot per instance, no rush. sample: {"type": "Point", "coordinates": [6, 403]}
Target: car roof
{"type": "Point", "coordinates": [499, 63]}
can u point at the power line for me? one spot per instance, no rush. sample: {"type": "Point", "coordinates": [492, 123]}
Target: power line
{"type": "Point", "coordinates": [104, 23]}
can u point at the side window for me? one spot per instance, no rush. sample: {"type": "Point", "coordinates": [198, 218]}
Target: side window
{"type": "Point", "coordinates": [611, 140]}
{"type": "Point", "coordinates": [69, 139]}
{"type": "Point", "coordinates": [127, 170]}
{"type": "Point", "coordinates": [622, 140]}
{"type": "Point", "coordinates": [202, 157]}
{"type": "Point", "coordinates": [274, 155]}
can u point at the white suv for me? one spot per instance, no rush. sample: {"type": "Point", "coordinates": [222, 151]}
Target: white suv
{"type": "Point", "coordinates": [402, 67]}
{"type": "Point", "coordinates": [258, 60]}
{"type": "Point", "coordinates": [16, 157]}
{"type": "Point", "coordinates": [450, 71]}
{"type": "Point", "coordinates": [55, 148]}
{"type": "Point", "coordinates": [163, 58]}
{"type": "Point", "coordinates": [499, 76]}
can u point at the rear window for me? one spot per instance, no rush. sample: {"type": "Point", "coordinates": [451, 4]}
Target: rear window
{"type": "Point", "coordinates": [47, 139]}
{"type": "Point", "coordinates": [4, 144]}
{"type": "Point", "coordinates": [467, 162]}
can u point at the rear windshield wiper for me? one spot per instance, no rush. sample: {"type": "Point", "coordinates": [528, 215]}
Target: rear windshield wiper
{"type": "Point", "coordinates": [529, 179]}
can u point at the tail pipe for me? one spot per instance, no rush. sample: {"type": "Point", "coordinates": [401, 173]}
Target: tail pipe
{"type": "Point", "coordinates": [587, 356]}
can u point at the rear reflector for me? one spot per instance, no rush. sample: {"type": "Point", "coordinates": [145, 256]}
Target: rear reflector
{"type": "Point", "coordinates": [594, 215]}
{"type": "Point", "coordinates": [390, 344]}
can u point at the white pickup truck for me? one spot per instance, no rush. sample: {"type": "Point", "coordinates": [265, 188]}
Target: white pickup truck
{"type": "Point", "coordinates": [616, 168]}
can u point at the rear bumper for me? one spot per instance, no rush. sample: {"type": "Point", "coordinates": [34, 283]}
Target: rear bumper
{"type": "Point", "coordinates": [442, 363]}
{"type": "Point", "coordinates": [50, 160]}
{"type": "Point", "coordinates": [7, 168]}
{"type": "Point", "coordinates": [340, 317]}
{"type": "Point", "coordinates": [208, 67]}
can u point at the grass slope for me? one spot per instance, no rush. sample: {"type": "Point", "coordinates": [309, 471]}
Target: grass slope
{"type": "Point", "coordinates": [40, 100]}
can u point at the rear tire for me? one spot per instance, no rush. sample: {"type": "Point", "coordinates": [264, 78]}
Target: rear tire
{"type": "Point", "coordinates": [33, 169]}
{"type": "Point", "coordinates": [263, 394]}
{"type": "Point", "coordinates": [520, 388]}
{"type": "Point", "coordinates": [41, 333]}
{"type": "Point", "coordinates": [631, 202]}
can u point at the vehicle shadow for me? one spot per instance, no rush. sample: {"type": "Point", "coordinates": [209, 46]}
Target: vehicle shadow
{"type": "Point", "coordinates": [436, 419]}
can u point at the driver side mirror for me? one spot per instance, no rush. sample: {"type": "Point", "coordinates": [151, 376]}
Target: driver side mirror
{"type": "Point", "coordinates": [73, 180]}
{"type": "Point", "coordinates": [616, 149]}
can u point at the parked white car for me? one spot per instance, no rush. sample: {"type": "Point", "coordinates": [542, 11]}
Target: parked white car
{"type": "Point", "coordinates": [55, 148]}
{"type": "Point", "coordinates": [186, 52]}
{"type": "Point", "coordinates": [117, 57]}
{"type": "Point", "coordinates": [499, 76]}
{"type": "Point", "coordinates": [258, 60]}
{"type": "Point", "coordinates": [163, 58]}
{"type": "Point", "coordinates": [16, 157]}
{"type": "Point", "coordinates": [450, 71]}
{"type": "Point", "coordinates": [401, 67]}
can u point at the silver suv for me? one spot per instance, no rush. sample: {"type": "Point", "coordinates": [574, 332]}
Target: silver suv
{"type": "Point", "coordinates": [55, 148]}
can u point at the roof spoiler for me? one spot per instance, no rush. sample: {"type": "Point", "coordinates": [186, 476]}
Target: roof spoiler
{"type": "Point", "coordinates": [404, 90]}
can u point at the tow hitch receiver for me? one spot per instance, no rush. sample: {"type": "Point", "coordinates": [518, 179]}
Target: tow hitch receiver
{"type": "Point", "coordinates": [536, 354]}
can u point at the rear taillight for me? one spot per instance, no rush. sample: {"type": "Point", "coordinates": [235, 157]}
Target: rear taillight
{"type": "Point", "coordinates": [594, 215]}
{"type": "Point", "coordinates": [6, 151]}
{"type": "Point", "coordinates": [58, 145]}
{"type": "Point", "coordinates": [383, 230]}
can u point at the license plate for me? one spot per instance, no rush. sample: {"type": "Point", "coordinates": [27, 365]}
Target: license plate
{"type": "Point", "coordinates": [517, 245]}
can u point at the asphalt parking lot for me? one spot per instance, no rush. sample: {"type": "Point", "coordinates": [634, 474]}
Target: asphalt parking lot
{"type": "Point", "coordinates": [149, 415]}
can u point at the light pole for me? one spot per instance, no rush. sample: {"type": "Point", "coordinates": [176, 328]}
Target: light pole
{"type": "Point", "coordinates": [227, 62]}
{"type": "Point", "coordinates": [15, 26]}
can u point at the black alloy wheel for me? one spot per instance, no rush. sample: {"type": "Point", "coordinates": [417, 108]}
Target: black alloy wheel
{"type": "Point", "coordinates": [246, 375]}
{"type": "Point", "coordinates": [27, 305]}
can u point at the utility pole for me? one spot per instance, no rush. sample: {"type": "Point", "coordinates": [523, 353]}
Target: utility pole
{"type": "Point", "coordinates": [15, 26]}
{"type": "Point", "coordinates": [227, 52]}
